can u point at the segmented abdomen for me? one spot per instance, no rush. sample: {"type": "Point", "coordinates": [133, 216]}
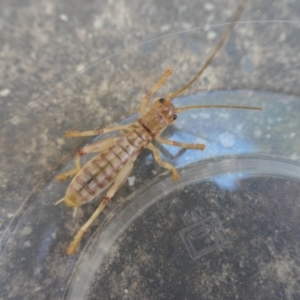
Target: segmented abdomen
{"type": "Point", "coordinates": [101, 171]}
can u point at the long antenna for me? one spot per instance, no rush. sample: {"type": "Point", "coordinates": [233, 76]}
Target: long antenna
{"type": "Point", "coordinates": [215, 51]}
{"type": "Point", "coordinates": [181, 109]}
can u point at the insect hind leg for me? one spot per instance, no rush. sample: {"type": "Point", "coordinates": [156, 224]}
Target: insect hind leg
{"type": "Point", "coordinates": [119, 181]}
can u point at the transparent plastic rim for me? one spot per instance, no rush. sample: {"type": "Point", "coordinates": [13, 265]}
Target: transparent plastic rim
{"type": "Point", "coordinates": [139, 201]}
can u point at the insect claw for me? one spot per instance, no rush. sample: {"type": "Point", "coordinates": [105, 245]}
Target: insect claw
{"type": "Point", "coordinates": [176, 178]}
{"type": "Point", "coordinates": [69, 134]}
{"type": "Point", "coordinates": [59, 178]}
{"type": "Point", "coordinates": [200, 146]}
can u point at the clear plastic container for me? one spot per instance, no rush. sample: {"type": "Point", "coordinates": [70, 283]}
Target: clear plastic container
{"type": "Point", "coordinates": [229, 228]}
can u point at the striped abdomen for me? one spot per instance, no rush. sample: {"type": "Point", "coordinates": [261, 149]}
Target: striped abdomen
{"type": "Point", "coordinates": [101, 171]}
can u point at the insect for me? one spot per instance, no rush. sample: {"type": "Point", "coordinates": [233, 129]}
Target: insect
{"type": "Point", "coordinates": [112, 165]}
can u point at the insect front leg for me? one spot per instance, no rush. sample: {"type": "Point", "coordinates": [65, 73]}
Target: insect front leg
{"type": "Point", "coordinates": [162, 163]}
{"type": "Point", "coordinates": [179, 144]}
{"type": "Point", "coordinates": [99, 146]}
{"type": "Point", "coordinates": [153, 90]}
{"type": "Point", "coordinates": [119, 181]}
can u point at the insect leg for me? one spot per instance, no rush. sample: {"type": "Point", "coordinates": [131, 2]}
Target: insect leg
{"type": "Point", "coordinates": [99, 146]}
{"type": "Point", "coordinates": [63, 176]}
{"type": "Point", "coordinates": [105, 130]}
{"type": "Point", "coordinates": [119, 181]}
{"type": "Point", "coordinates": [153, 90]}
{"type": "Point", "coordinates": [162, 163]}
{"type": "Point", "coordinates": [179, 144]}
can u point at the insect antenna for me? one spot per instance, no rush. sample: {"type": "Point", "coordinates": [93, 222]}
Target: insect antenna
{"type": "Point", "coordinates": [213, 54]}
{"type": "Point", "coordinates": [181, 109]}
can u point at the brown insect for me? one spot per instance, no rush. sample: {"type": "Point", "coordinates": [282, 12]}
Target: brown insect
{"type": "Point", "coordinates": [112, 166]}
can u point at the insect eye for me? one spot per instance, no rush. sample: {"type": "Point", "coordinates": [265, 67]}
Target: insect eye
{"type": "Point", "coordinates": [174, 117]}
{"type": "Point", "coordinates": [162, 100]}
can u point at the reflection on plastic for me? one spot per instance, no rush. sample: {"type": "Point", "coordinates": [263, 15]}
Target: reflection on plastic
{"type": "Point", "coordinates": [229, 181]}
